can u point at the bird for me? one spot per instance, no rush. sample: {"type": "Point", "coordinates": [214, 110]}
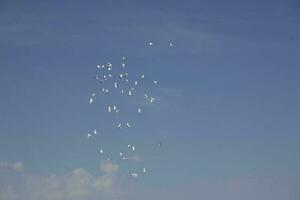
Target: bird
{"type": "Point", "coordinates": [146, 96]}
{"type": "Point", "coordinates": [116, 85]}
{"type": "Point", "coordinates": [135, 82]}
{"type": "Point", "coordinates": [123, 58]}
{"type": "Point", "coordinates": [95, 132]}
{"type": "Point", "coordinates": [106, 91]}
{"type": "Point", "coordinates": [155, 82]}
{"type": "Point", "coordinates": [109, 109]}
{"type": "Point", "coordinates": [144, 170]}
{"type": "Point", "coordinates": [139, 110]}
{"type": "Point", "coordinates": [142, 76]}
{"type": "Point", "coordinates": [129, 93]}
{"type": "Point", "coordinates": [89, 135]}
{"type": "Point", "coordinates": [123, 65]}
{"type": "Point", "coordinates": [119, 126]}
{"type": "Point", "coordinates": [121, 76]}
{"type": "Point", "coordinates": [133, 148]}
{"type": "Point", "coordinates": [171, 44]}
{"type": "Point", "coordinates": [91, 100]}
{"type": "Point", "coordinates": [101, 151]}
{"type": "Point", "coordinates": [152, 99]}
{"type": "Point", "coordinates": [128, 125]}
{"type": "Point", "coordinates": [150, 43]}
{"type": "Point", "coordinates": [135, 175]}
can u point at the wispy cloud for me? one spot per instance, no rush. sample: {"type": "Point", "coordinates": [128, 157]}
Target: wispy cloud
{"type": "Point", "coordinates": [78, 184]}
{"type": "Point", "coordinates": [9, 166]}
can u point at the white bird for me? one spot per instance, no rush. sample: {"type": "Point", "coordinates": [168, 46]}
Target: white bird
{"type": "Point", "coordinates": [101, 151]}
{"type": "Point", "coordinates": [126, 75]}
{"type": "Point", "coordinates": [155, 82]}
{"type": "Point", "coordinates": [109, 109]}
{"type": "Point", "coordinates": [135, 175]}
{"type": "Point", "coordinates": [128, 125]}
{"type": "Point", "coordinates": [109, 69]}
{"type": "Point", "coordinates": [150, 43]}
{"type": "Point", "coordinates": [95, 132]}
{"type": "Point", "coordinates": [116, 85]}
{"type": "Point", "coordinates": [129, 93]}
{"type": "Point", "coordinates": [160, 144]}
{"type": "Point", "coordinates": [171, 44]}
{"type": "Point", "coordinates": [129, 145]}
{"type": "Point", "coordinates": [91, 100]}
{"type": "Point", "coordinates": [88, 136]}
{"type": "Point", "coordinates": [93, 95]}
{"type": "Point", "coordinates": [142, 76]}
{"type": "Point", "coordinates": [109, 64]}
{"type": "Point", "coordinates": [103, 89]}
{"type": "Point", "coordinates": [123, 58]}
{"type": "Point", "coordinates": [109, 75]}
{"type": "Point", "coordinates": [108, 159]}
{"type": "Point", "coordinates": [126, 80]}
{"type": "Point", "coordinates": [106, 91]}
{"type": "Point", "coordinates": [123, 65]}
{"type": "Point", "coordinates": [144, 170]}
{"type": "Point", "coordinates": [133, 148]}
{"type": "Point", "coordinates": [146, 96]}
{"type": "Point", "coordinates": [117, 110]}
{"type": "Point", "coordinates": [139, 110]}
{"type": "Point", "coordinates": [152, 99]}
{"type": "Point", "coordinates": [123, 158]}
{"type": "Point", "coordinates": [135, 82]}
{"type": "Point", "coordinates": [121, 154]}
{"type": "Point", "coordinates": [97, 77]}
{"type": "Point", "coordinates": [121, 76]}
{"type": "Point", "coordinates": [102, 66]}
{"type": "Point", "coordinates": [119, 125]}
{"type": "Point", "coordinates": [122, 91]}
{"type": "Point", "coordinates": [104, 77]}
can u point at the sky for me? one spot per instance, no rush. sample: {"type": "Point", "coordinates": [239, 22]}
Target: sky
{"type": "Point", "coordinates": [227, 100]}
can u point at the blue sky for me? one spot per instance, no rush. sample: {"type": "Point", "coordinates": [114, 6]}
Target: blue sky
{"type": "Point", "coordinates": [227, 108]}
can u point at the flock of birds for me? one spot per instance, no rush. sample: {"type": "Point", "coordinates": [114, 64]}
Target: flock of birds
{"type": "Point", "coordinates": [117, 79]}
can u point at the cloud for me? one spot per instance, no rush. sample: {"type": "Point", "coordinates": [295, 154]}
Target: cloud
{"type": "Point", "coordinates": [77, 184]}
{"type": "Point", "coordinates": [8, 193]}
{"type": "Point", "coordinates": [109, 167]}
{"type": "Point", "coordinates": [8, 166]}
{"type": "Point", "coordinates": [18, 166]}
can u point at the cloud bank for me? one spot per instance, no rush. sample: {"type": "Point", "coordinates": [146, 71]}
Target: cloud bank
{"type": "Point", "coordinates": [78, 184]}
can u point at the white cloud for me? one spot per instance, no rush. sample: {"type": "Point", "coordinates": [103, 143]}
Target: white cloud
{"type": "Point", "coordinates": [18, 166]}
{"type": "Point", "coordinates": [109, 167]}
{"type": "Point", "coordinates": [8, 193]}
{"type": "Point", "coordinates": [77, 184]}
{"type": "Point", "coordinates": [8, 166]}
